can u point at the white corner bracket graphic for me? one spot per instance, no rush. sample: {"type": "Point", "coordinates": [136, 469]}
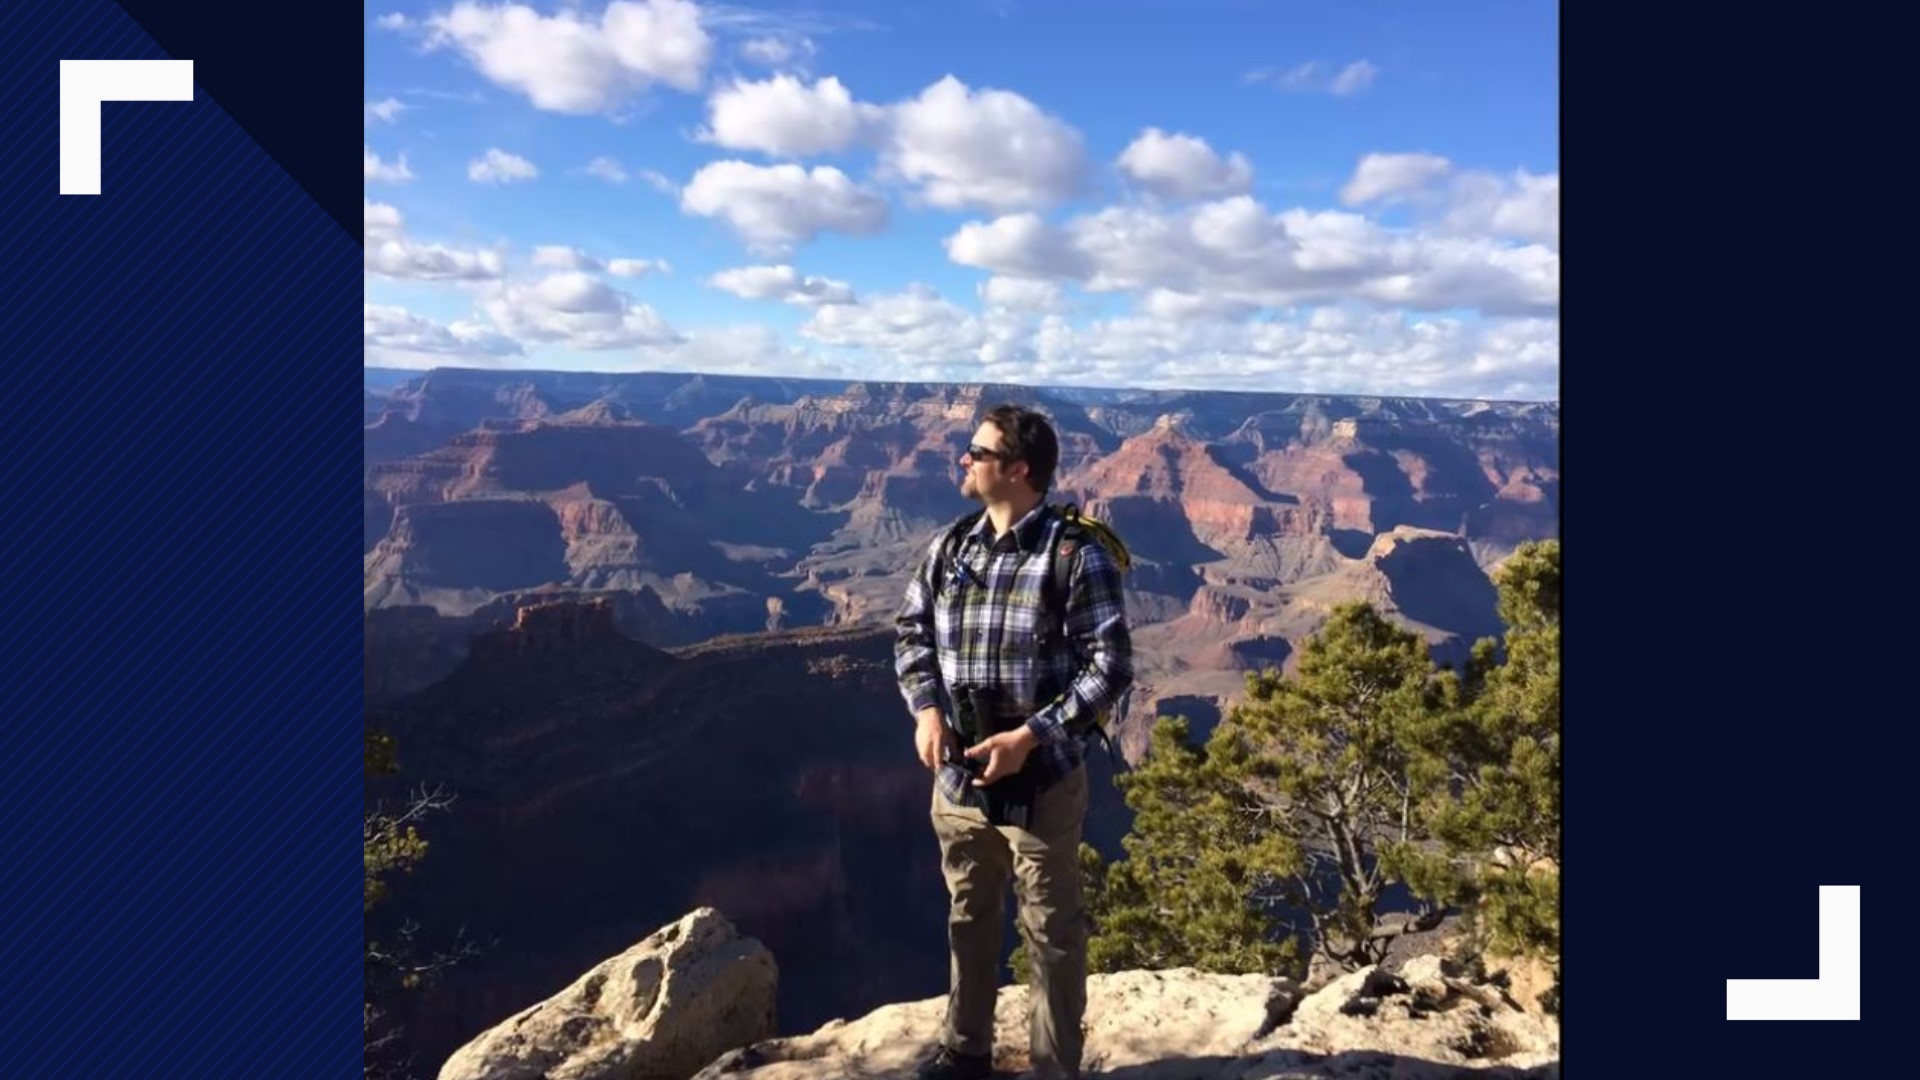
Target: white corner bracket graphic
{"type": "Point", "coordinates": [84, 84]}
{"type": "Point", "coordinates": [1835, 995]}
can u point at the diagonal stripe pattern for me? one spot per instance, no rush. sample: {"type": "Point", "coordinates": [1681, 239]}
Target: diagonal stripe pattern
{"type": "Point", "coordinates": [180, 766]}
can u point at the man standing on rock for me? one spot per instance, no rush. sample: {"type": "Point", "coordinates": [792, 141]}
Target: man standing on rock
{"type": "Point", "coordinates": [1007, 679]}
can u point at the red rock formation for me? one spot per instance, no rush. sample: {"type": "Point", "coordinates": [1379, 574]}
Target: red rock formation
{"type": "Point", "coordinates": [719, 498]}
{"type": "Point", "coordinates": [548, 628]}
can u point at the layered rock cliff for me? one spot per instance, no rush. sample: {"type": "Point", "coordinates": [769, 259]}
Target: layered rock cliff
{"type": "Point", "coordinates": [704, 504]}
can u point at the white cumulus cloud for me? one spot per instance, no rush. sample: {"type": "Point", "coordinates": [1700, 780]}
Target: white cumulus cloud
{"type": "Point", "coordinates": [766, 50]}
{"type": "Point", "coordinates": [750, 349]}
{"type": "Point", "coordinates": [1171, 304]}
{"type": "Point", "coordinates": [991, 149]}
{"type": "Point", "coordinates": [777, 52]}
{"type": "Point", "coordinates": [387, 111]}
{"type": "Point", "coordinates": [915, 322]}
{"type": "Point", "coordinates": [379, 220]}
{"type": "Point", "coordinates": [633, 268]}
{"type": "Point", "coordinates": [607, 169]}
{"type": "Point", "coordinates": [1470, 273]}
{"type": "Point", "coordinates": [398, 257]}
{"type": "Point", "coordinates": [396, 337]}
{"type": "Point", "coordinates": [775, 208]}
{"type": "Point", "coordinates": [576, 310]}
{"type": "Point", "coordinates": [782, 283]}
{"type": "Point", "coordinates": [1331, 350]}
{"type": "Point", "coordinates": [388, 252]}
{"type": "Point", "coordinates": [1020, 294]}
{"type": "Point", "coordinates": [786, 117]}
{"type": "Point", "coordinates": [1339, 349]}
{"type": "Point", "coordinates": [496, 166]}
{"type": "Point", "coordinates": [1019, 245]}
{"type": "Point", "coordinates": [1522, 205]}
{"type": "Point", "coordinates": [1235, 255]}
{"type": "Point", "coordinates": [1181, 166]}
{"type": "Point", "coordinates": [573, 62]}
{"type": "Point", "coordinates": [559, 257]}
{"type": "Point", "coordinates": [1384, 176]}
{"type": "Point", "coordinates": [377, 171]}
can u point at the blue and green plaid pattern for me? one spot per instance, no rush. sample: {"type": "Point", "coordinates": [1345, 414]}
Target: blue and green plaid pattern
{"type": "Point", "coordinates": [986, 626]}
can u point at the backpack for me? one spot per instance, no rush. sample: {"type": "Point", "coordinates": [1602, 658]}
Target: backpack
{"type": "Point", "coordinates": [1077, 528]}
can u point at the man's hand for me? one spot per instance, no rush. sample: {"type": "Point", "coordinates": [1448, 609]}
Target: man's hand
{"type": "Point", "coordinates": [1005, 753]}
{"type": "Point", "coordinates": [930, 737]}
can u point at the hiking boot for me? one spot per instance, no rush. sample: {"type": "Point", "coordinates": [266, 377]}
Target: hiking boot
{"type": "Point", "coordinates": [949, 1064]}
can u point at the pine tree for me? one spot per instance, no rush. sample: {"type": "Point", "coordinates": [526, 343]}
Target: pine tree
{"type": "Point", "coordinates": [1327, 761]}
{"type": "Point", "coordinates": [1499, 817]}
{"type": "Point", "coordinates": [1187, 894]}
{"type": "Point", "coordinates": [1283, 832]}
{"type": "Point", "coordinates": [1199, 865]}
{"type": "Point", "coordinates": [1321, 790]}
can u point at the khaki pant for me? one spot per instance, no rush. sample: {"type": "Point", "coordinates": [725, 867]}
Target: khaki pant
{"type": "Point", "coordinates": [1043, 864]}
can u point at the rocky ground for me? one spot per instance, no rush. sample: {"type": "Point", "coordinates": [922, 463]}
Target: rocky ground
{"type": "Point", "coordinates": [697, 991]}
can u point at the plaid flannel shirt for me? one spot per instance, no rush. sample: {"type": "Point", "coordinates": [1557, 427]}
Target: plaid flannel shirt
{"type": "Point", "coordinates": [984, 627]}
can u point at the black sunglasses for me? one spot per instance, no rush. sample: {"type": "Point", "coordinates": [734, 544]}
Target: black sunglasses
{"type": "Point", "coordinates": [982, 453]}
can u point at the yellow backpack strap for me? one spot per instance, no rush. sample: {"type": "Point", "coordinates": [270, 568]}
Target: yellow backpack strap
{"type": "Point", "coordinates": [1083, 527]}
{"type": "Point", "coordinates": [1116, 548]}
{"type": "Point", "coordinates": [1077, 528]}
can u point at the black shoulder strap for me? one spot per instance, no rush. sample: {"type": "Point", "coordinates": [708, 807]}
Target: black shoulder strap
{"type": "Point", "coordinates": [1059, 570]}
{"type": "Point", "coordinates": [950, 546]}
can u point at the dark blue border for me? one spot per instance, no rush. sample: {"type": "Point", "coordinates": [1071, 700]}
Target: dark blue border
{"type": "Point", "coordinates": [181, 774]}
{"type": "Point", "coordinates": [1737, 656]}
{"type": "Point", "coordinates": [181, 766]}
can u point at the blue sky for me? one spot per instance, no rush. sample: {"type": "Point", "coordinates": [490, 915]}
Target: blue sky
{"type": "Point", "coordinates": [1340, 197]}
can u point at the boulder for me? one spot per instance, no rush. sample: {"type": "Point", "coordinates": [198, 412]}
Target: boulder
{"type": "Point", "coordinates": [659, 1011]}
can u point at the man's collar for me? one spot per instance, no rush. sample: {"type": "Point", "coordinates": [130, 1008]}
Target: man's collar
{"type": "Point", "coordinates": [1029, 532]}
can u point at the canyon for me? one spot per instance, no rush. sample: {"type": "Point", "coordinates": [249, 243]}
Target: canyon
{"type": "Point", "coordinates": [640, 627]}
{"type": "Point", "coordinates": [700, 505]}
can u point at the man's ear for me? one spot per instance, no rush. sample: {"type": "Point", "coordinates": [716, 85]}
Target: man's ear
{"type": "Point", "coordinates": [1021, 470]}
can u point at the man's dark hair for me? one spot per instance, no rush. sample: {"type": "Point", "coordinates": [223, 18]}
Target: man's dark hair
{"type": "Point", "coordinates": [1027, 436]}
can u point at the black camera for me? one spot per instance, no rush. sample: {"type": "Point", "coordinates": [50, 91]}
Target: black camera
{"type": "Point", "coordinates": [979, 714]}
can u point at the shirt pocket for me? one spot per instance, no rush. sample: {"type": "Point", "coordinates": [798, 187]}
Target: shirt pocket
{"type": "Point", "coordinates": [1021, 629]}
